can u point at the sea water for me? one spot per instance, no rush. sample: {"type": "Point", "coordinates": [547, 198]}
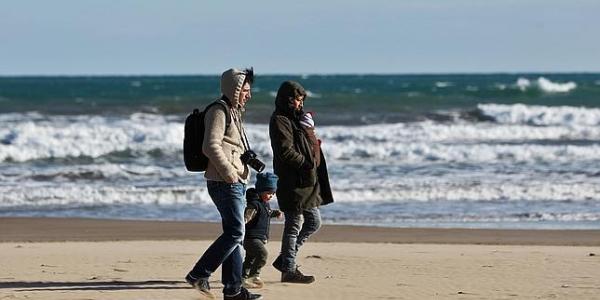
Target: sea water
{"type": "Point", "coordinates": [470, 150]}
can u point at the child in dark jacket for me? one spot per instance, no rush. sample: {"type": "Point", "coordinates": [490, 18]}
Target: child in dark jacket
{"type": "Point", "coordinates": [257, 217]}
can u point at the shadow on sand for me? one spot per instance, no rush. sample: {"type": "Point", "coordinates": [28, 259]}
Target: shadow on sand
{"type": "Point", "coordinates": [22, 286]}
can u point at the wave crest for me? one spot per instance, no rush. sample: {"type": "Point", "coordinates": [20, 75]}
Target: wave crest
{"type": "Point", "coordinates": [541, 115]}
{"type": "Point", "coordinates": [154, 139]}
{"type": "Point", "coordinates": [545, 85]}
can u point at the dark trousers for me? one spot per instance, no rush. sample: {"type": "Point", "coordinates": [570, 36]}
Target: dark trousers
{"type": "Point", "coordinates": [256, 256]}
{"type": "Point", "coordinates": [226, 251]}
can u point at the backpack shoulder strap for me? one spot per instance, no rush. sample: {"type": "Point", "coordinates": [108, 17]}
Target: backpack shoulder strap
{"type": "Point", "coordinates": [225, 107]}
{"type": "Point", "coordinates": [227, 114]}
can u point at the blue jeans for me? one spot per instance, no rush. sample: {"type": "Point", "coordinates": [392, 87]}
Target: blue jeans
{"type": "Point", "coordinates": [298, 227]}
{"type": "Point", "coordinates": [227, 249]}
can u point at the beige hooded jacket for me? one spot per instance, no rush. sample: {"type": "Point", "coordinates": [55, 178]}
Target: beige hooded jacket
{"type": "Point", "coordinates": [224, 148]}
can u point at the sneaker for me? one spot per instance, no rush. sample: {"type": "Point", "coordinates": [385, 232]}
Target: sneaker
{"type": "Point", "coordinates": [253, 282]}
{"type": "Point", "coordinates": [201, 285]}
{"type": "Point", "coordinates": [297, 277]}
{"type": "Point", "coordinates": [244, 294]}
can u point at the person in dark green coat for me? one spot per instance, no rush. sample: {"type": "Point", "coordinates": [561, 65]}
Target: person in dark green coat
{"type": "Point", "coordinates": [303, 183]}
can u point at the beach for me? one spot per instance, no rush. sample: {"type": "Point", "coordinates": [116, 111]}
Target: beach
{"type": "Point", "coordinates": [62, 258]}
{"type": "Point", "coordinates": [421, 149]}
{"type": "Point", "coordinates": [446, 186]}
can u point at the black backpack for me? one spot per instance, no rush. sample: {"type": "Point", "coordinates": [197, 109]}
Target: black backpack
{"type": "Point", "coordinates": [193, 137]}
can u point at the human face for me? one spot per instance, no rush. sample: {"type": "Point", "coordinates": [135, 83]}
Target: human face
{"type": "Point", "coordinates": [266, 196]}
{"type": "Point", "coordinates": [298, 103]}
{"type": "Point", "coordinates": [245, 94]}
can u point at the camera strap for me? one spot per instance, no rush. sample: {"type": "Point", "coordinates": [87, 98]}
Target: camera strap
{"type": "Point", "coordinates": [242, 131]}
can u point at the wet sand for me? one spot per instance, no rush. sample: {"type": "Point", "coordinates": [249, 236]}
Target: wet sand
{"type": "Point", "coordinates": [66, 229]}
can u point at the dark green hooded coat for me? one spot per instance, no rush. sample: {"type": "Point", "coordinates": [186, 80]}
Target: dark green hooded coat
{"type": "Point", "coordinates": [301, 184]}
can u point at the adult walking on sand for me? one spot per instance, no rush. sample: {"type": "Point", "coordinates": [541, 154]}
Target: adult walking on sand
{"type": "Point", "coordinates": [303, 183]}
{"type": "Point", "coordinates": [226, 177]}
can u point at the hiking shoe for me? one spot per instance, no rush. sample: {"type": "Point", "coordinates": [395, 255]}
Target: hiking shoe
{"type": "Point", "coordinates": [253, 282]}
{"type": "Point", "coordinates": [297, 277]}
{"type": "Point", "coordinates": [244, 294]}
{"type": "Point", "coordinates": [200, 284]}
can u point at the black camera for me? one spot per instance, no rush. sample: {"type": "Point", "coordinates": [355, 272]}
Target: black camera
{"type": "Point", "coordinates": [249, 158]}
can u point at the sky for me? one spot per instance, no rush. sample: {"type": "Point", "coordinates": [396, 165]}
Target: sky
{"type": "Point", "coordinates": [137, 37]}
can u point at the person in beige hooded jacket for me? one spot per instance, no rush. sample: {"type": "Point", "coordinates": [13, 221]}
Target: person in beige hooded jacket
{"type": "Point", "coordinates": [223, 144]}
{"type": "Point", "coordinates": [226, 178]}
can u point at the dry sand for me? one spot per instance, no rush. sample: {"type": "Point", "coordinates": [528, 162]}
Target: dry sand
{"type": "Point", "coordinates": [78, 259]}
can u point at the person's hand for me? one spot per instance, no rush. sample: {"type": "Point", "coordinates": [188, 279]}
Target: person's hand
{"type": "Point", "coordinates": [278, 214]}
{"type": "Point", "coordinates": [232, 179]}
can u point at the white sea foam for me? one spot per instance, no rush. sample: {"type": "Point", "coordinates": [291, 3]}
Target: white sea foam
{"type": "Point", "coordinates": [511, 140]}
{"type": "Point", "coordinates": [90, 136]}
{"type": "Point", "coordinates": [447, 190]}
{"type": "Point", "coordinates": [454, 133]}
{"type": "Point", "coordinates": [346, 190]}
{"type": "Point", "coordinates": [91, 194]}
{"type": "Point", "coordinates": [460, 153]}
{"type": "Point", "coordinates": [443, 84]}
{"type": "Point", "coordinates": [545, 85]}
{"type": "Point", "coordinates": [19, 117]}
{"type": "Point", "coordinates": [313, 95]}
{"type": "Point", "coordinates": [105, 172]}
{"type": "Point", "coordinates": [523, 84]}
{"type": "Point", "coordinates": [553, 87]}
{"type": "Point", "coordinates": [542, 115]}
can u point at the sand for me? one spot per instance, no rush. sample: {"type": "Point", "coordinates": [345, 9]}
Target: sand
{"type": "Point", "coordinates": [102, 259]}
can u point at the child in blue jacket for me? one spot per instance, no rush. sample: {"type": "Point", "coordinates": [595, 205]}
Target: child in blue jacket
{"type": "Point", "coordinates": [257, 216]}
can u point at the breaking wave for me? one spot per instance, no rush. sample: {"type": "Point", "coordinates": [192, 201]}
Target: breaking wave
{"type": "Point", "coordinates": [560, 134]}
{"type": "Point", "coordinates": [545, 85]}
{"type": "Point", "coordinates": [567, 116]}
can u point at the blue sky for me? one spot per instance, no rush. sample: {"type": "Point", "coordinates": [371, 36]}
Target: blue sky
{"type": "Point", "coordinates": [72, 37]}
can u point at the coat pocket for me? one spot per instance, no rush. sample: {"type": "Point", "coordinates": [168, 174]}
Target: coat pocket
{"type": "Point", "coordinates": [306, 178]}
{"type": "Point", "coordinates": [232, 154]}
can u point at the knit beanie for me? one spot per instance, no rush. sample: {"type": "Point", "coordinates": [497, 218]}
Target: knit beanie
{"type": "Point", "coordinates": [307, 120]}
{"type": "Point", "coordinates": [266, 182]}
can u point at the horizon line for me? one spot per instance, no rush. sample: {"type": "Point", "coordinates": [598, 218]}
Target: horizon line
{"type": "Point", "coordinates": [300, 74]}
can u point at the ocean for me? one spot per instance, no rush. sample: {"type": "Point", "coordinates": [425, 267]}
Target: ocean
{"type": "Point", "coordinates": [464, 150]}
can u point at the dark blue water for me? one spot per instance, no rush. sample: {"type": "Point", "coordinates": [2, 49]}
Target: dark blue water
{"type": "Point", "coordinates": [340, 99]}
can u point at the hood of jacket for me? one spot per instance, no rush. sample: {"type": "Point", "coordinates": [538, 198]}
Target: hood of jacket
{"type": "Point", "coordinates": [288, 91]}
{"type": "Point", "coordinates": [232, 81]}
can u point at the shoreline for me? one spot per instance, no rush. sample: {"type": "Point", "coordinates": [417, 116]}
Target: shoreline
{"type": "Point", "coordinates": [40, 229]}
